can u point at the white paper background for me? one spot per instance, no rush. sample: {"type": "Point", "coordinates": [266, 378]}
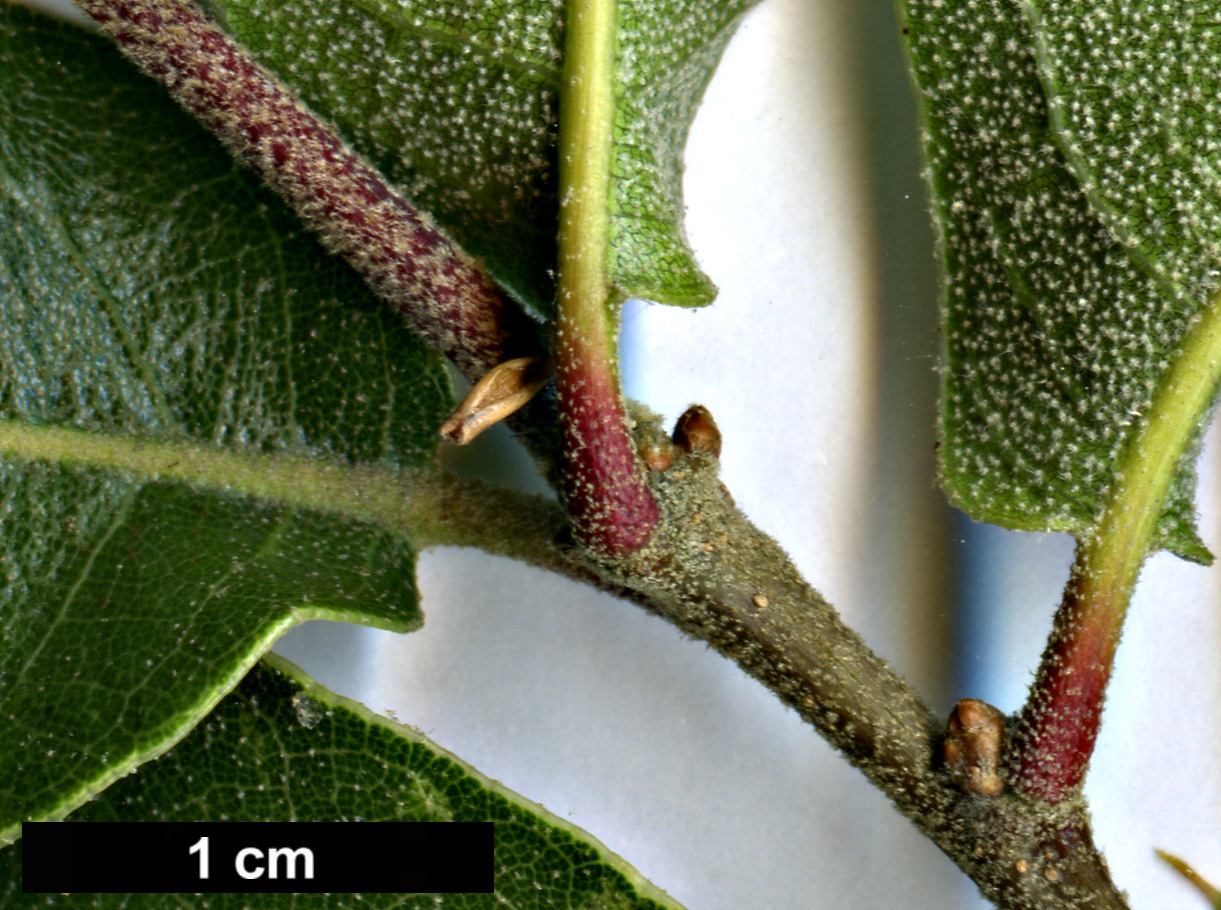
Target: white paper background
{"type": "Point", "coordinates": [817, 361]}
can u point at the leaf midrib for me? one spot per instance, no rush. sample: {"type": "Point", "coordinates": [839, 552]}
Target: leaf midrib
{"type": "Point", "coordinates": [398, 500]}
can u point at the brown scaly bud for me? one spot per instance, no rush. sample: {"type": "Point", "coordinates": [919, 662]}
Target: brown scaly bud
{"type": "Point", "coordinates": [502, 391]}
{"type": "Point", "coordinates": [696, 432]}
{"type": "Point", "coordinates": [659, 454]}
{"type": "Point", "coordinates": [974, 742]}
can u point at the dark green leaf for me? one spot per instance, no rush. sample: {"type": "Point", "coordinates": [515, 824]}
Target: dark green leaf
{"type": "Point", "coordinates": [456, 101]}
{"type": "Point", "coordinates": [289, 750]}
{"type": "Point", "coordinates": [158, 305]}
{"type": "Point", "coordinates": [1055, 338]}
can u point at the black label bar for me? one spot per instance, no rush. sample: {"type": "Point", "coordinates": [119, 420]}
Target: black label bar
{"type": "Point", "coordinates": [257, 858]}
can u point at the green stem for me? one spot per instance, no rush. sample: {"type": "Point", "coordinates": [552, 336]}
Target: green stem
{"type": "Point", "coordinates": [587, 115]}
{"type": "Point", "coordinates": [613, 513]}
{"type": "Point", "coordinates": [1122, 542]}
{"type": "Point", "coordinates": [1060, 721]}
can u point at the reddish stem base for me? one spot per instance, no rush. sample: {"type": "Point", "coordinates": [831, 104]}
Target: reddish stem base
{"type": "Point", "coordinates": [603, 484]}
{"type": "Point", "coordinates": [1059, 724]}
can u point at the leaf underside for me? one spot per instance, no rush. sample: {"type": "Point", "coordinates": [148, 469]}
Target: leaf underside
{"type": "Point", "coordinates": [152, 291]}
{"type": "Point", "coordinates": [1157, 181]}
{"type": "Point", "coordinates": [456, 101]}
{"type": "Point", "coordinates": [296, 752]}
{"type": "Point", "coordinates": [1056, 333]}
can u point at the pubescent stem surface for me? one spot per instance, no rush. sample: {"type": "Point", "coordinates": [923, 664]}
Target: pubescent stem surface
{"type": "Point", "coordinates": [612, 510]}
{"type": "Point", "coordinates": [1059, 724]}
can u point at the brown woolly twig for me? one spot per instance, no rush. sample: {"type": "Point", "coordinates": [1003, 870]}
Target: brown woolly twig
{"type": "Point", "coordinates": [713, 574]}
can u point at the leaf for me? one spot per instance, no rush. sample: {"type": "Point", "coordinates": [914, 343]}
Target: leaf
{"type": "Point", "coordinates": [181, 368]}
{"type": "Point", "coordinates": [1055, 338]}
{"type": "Point", "coordinates": [1133, 95]}
{"type": "Point", "coordinates": [292, 751]}
{"type": "Point", "coordinates": [457, 103]}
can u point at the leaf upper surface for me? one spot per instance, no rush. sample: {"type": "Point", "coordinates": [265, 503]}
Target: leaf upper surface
{"type": "Point", "coordinates": [1055, 338]}
{"type": "Point", "coordinates": [292, 751]}
{"type": "Point", "coordinates": [457, 103]}
{"type": "Point", "coordinates": [154, 294]}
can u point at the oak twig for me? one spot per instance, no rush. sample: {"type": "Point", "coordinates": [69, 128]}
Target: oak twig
{"type": "Point", "coordinates": [660, 530]}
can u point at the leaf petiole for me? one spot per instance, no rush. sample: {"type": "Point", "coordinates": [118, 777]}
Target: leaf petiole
{"type": "Point", "coordinates": [1059, 724]}
{"type": "Point", "coordinates": [613, 512]}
